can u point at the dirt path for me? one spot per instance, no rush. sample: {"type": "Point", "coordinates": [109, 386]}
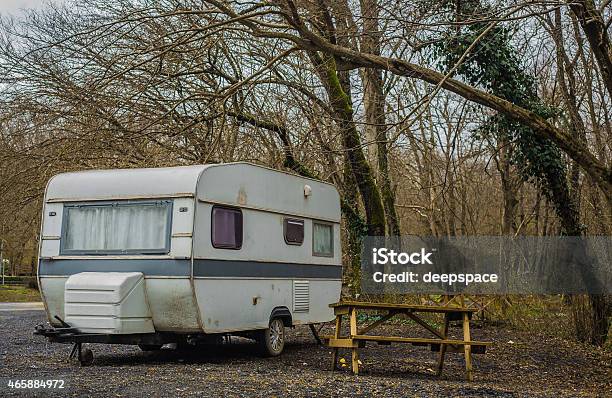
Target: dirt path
{"type": "Point", "coordinates": [23, 306]}
{"type": "Point", "coordinates": [516, 366]}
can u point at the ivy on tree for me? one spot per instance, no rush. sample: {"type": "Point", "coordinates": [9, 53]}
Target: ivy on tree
{"type": "Point", "coordinates": [494, 65]}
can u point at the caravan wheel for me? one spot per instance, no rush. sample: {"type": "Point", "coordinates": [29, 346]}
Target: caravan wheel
{"type": "Point", "coordinates": [272, 339]}
{"type": "Point", "coordinates": [86, 357]}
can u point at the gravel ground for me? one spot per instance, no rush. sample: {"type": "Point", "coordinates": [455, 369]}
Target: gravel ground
{"type": "Point", "coordinates": [517, 365]}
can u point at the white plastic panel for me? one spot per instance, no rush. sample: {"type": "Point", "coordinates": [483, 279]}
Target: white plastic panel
{"type": "Point", "coordinates": [227, 305]}
{"type": "Point", "coordinates": [51, 229]}
{"type": "Point", "coordinates": [52, 290]}
{"type": "Point", "coordinates": [322, 294]}
{"type": "Point", "coordinates": [107, 302]}
{"type": "Point", "coordinates": [101, 287]}
{"type": "Point", "coordinates": [180, 247]}
{"type": "Point", "coordinates": [248, 185]}
{"type": "Point", "coordinates": [182, 216]}
{"type": "Point", "coordinates": [263, 240]}
{"type": "Point", "coordinates": [52, 224]}
{"type": "Point", "coordinates": [49, 248]}
{"type": "Point", "coordinates": [124, 183]}
{"type": "Point", "coordinates": [172, 304]}
{"type": "Point", "coordinates": [182, 227]}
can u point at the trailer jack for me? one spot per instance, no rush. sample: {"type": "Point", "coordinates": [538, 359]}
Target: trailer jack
{"type": "Point", "coordinates": [315, 332]}
{"type": "Point", "coordinates": [84, 355]}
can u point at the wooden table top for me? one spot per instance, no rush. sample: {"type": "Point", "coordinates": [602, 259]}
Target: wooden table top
{"type": "Point", "coordinates": [391, 306]}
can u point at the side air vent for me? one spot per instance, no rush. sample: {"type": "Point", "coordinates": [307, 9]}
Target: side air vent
{"type": "Point", "coordinates": [301, 296]}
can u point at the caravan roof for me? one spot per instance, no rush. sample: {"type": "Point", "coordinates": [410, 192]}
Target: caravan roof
{"type": "Point", "coordinates": [124, 183]}
{"type": "Point", "coordinates": [239, 184]}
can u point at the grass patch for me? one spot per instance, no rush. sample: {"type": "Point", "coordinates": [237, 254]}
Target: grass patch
{"type": "Point", "coordinates": [18, 293]}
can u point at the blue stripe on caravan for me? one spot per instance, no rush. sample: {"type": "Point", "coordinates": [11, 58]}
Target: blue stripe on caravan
{"type": "Point", "coordinates": [156, 267]}
{"type": "Point", "coordinates": [181, 267]}
{"type": "Point", "coordinates": [260, 269]}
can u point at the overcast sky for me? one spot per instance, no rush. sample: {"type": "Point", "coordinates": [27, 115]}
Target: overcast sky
{"type": "Point", "coordinates": [14, 6]}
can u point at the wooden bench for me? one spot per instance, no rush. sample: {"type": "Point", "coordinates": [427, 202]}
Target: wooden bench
{"type": "Point", "coordinates": [358, 338]}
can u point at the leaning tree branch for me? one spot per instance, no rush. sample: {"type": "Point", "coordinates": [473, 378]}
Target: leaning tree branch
{"type": "Point", "coordinates": [575, 149]}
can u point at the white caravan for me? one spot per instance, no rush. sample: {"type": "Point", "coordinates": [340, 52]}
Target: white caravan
{"type": "Point", "coordinates": [179, 254]}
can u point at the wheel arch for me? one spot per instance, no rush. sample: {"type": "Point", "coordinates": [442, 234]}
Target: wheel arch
{"type": "Point", "coordinates": [284, 314]}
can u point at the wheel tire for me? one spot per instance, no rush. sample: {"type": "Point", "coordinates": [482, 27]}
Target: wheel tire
{"type": "Point", "coordinates": [150, 347]}
{"type": "Point", "coordinates": [86, 358]}
{"type": "Point", "coordinates": [272, 339]}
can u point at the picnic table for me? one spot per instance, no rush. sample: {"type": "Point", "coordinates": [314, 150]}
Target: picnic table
{"type": "Point", "coordinates": [358, 337]}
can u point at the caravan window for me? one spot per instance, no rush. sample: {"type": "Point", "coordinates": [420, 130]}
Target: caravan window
{"type": "Point", "coordinates": [293, 230]}
{"type": "Point", "coordinates": [226, 228]}
{"type": "Point", "coordinates": [322, 239]}
{"type": "Point", "coordinates": [117, 227]}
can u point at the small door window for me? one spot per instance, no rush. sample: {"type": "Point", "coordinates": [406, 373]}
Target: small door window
{"type": "Point", "coordinates": [293, 230]}
{"type": "Point", "coordinates": [322, 239]}
{"type": "Point", "coordinates": [226, 228]}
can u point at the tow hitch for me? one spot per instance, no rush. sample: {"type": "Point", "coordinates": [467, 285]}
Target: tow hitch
{"type": "Point", "coordinates": [67, 334]}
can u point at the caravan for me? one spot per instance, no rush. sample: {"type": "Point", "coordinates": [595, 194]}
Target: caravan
{"type": "Point", "coordinates": [180, 254]}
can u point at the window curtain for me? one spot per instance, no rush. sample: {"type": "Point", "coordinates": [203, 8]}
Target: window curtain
{"type": "Point", "coordinates": [124, 227]}
{"type": "Point", "coordinates": [227, 228]}
{"type": "Point", "coordinates": [322, 243]}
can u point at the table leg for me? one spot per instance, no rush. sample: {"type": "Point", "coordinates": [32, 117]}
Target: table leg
{"type": "Point", "coordinates": [467, 348]}
{"type": "Point", "coordinates": [443, 346]}
{"type": "Point", "coordinates": [355, 361]}
{"type": "Point", "coordinates": [355, 357]}
{"type": "Point", "coordinates": [336, 335]}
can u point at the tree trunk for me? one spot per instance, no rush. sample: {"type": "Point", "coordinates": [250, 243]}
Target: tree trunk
{"type": "Point", "coordinates": [594, 29]}
{"type": "Point", "coordinates": [338, 91]}
{"type": "Point", "coordinates": [509, 186]}
{"type": "Point", "coordinates": [596, 325]}
{"type": "Point", "coordinates": [374, 103]}
{"type": "Point", "coordinates": [356, 228]}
